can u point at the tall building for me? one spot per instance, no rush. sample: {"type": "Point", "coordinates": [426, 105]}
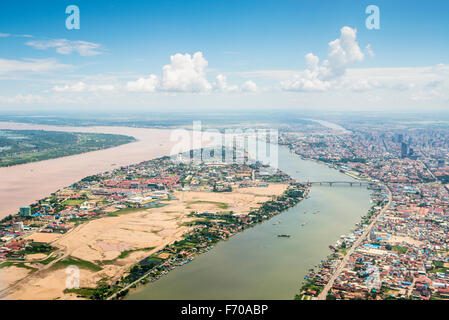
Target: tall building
{"type": "Point", "coordinates": [398, 137]}
{"type": "Point", "coordinates": [17, 226]}
{"type": "Point", "coordinates": [404, 150]}
{"type": "Point", "coordinates": [25, 211]}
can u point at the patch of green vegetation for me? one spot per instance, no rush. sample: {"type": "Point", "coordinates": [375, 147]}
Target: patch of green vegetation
{"type": "Point", "coordinates": [6, 264]}
{"type": "Point", "coordinates": [438, 266]}
{"type": "Point", "coordinates": [399, 249]}
{"type": "Point", "coordinates": [48, 260]}
{"type": "Point", "coordinates": [183, 244]}
{"type": "Point", "coordinates": [312, 286]}
{"type": "Point", "coordinates": [15, 264]}
{"type": "Point", "coordinates": [221, 205]}
{"type": "Point", "coordinates": [83, 264]}
{"type": "Point", "coordinates": [82, 292]}
{"type": "Point", "coordinates": [126, 253]}
{"type": "Point", "coordinates": [140, 269]}
{"type": "Point", "coordinates": [73, 202]}
{"type": "Point", "coordinates": [39, 247]}
{"type": "Point", "coordinates": [23, 146]}
{"type": "Point", "coordinates": [98, 293]}
{"type": "Point", "coordinates": [123, 255]}
{"type": "Point", "coordinates": [23, 265]}
{"type": "Point", "coordinates": [125, 211]}
{"type": "Point", "coordinates": [78, 220]}
{"type": "Point", "coordinates": [155, 204]}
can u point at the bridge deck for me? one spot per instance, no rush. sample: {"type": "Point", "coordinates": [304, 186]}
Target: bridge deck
{"type": "Point", "coordinates": [351, 183]}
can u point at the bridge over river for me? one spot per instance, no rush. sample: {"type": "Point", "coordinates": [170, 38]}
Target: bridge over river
{"type": "Point", "coordinates": [331, 183]}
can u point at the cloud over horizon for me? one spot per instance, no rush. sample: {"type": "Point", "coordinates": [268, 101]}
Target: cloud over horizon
{"type": "Point", "coordinates": [337, 77]}
{"type": "Point", "coordinates": [342, 53]}
{"type": "Point", "coordinates": [221, 85]}
{"type": "Point", "coordinates": [186, 73]}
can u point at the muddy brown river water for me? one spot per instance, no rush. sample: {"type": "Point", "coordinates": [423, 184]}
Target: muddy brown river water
{"type": "Point", "coordinates": [23, 184]}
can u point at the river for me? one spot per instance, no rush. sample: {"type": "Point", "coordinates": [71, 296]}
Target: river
{"type": "Point", "coordinates": [256, 264]}
{"type": "Point", "coordinates": [23, 184]}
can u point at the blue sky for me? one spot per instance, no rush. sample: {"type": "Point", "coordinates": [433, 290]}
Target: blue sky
{"type": "Point", "coordinates": [258, 46]}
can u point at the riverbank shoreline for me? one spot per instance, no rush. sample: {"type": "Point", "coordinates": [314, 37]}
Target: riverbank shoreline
{"type": "Point", "coordinates": [308, 189]}
{"type": "Point", "coordinates": [281, 200]}
{"type": "Point", "coordinates": [143, 279]}
{"type": "Point", "coordinates": [139, 285]}
{"type": "Point", "coordinates": [22, 184]}
{"type": "Point", "coordinates": [306, 283]}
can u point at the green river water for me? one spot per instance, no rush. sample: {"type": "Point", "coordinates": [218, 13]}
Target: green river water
{"type": "Point", "coordinates": [256, 264]}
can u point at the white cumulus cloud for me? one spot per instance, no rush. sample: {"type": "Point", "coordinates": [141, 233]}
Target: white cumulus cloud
{"type": "Point", "coordinates": [342, 53]}
{"type": "Point", "coordinates": [249, 86]}
{"type": "Point", "coordinates": [185, 73]}
{"type": "Point", "coordinates": [149, 84]}
{"type": "Point", "coordinates": [221, 85]}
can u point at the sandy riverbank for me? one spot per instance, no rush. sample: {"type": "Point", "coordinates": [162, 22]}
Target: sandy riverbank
{"type": "Point", "coordinates": [102, 241]}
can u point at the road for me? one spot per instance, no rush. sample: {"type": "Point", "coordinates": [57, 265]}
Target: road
{"type": "Point", "coordinates": [330, 283]}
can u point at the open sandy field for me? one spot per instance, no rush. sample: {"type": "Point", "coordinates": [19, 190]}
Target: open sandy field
{"type": "Point", "coordinates": [10, 275]}
{"type": "Point", "coordinates": [141, 233]}
{"type": "Point", "coordinates": [395, 240]}
{"type": "Point", "coordinates": [43, 237]}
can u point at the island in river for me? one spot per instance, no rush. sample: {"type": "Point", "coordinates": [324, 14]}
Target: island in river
{"type": "Point", "coordinates": [133, 224]}
{"type": "Point", "coordinates": [23, 184]}
{"type": "Point", "coordinates": [335, 218]}
{"type": "Point", "coordinates": [256, 264]}
{"type": "Point", "coordinates": [23, 146]}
